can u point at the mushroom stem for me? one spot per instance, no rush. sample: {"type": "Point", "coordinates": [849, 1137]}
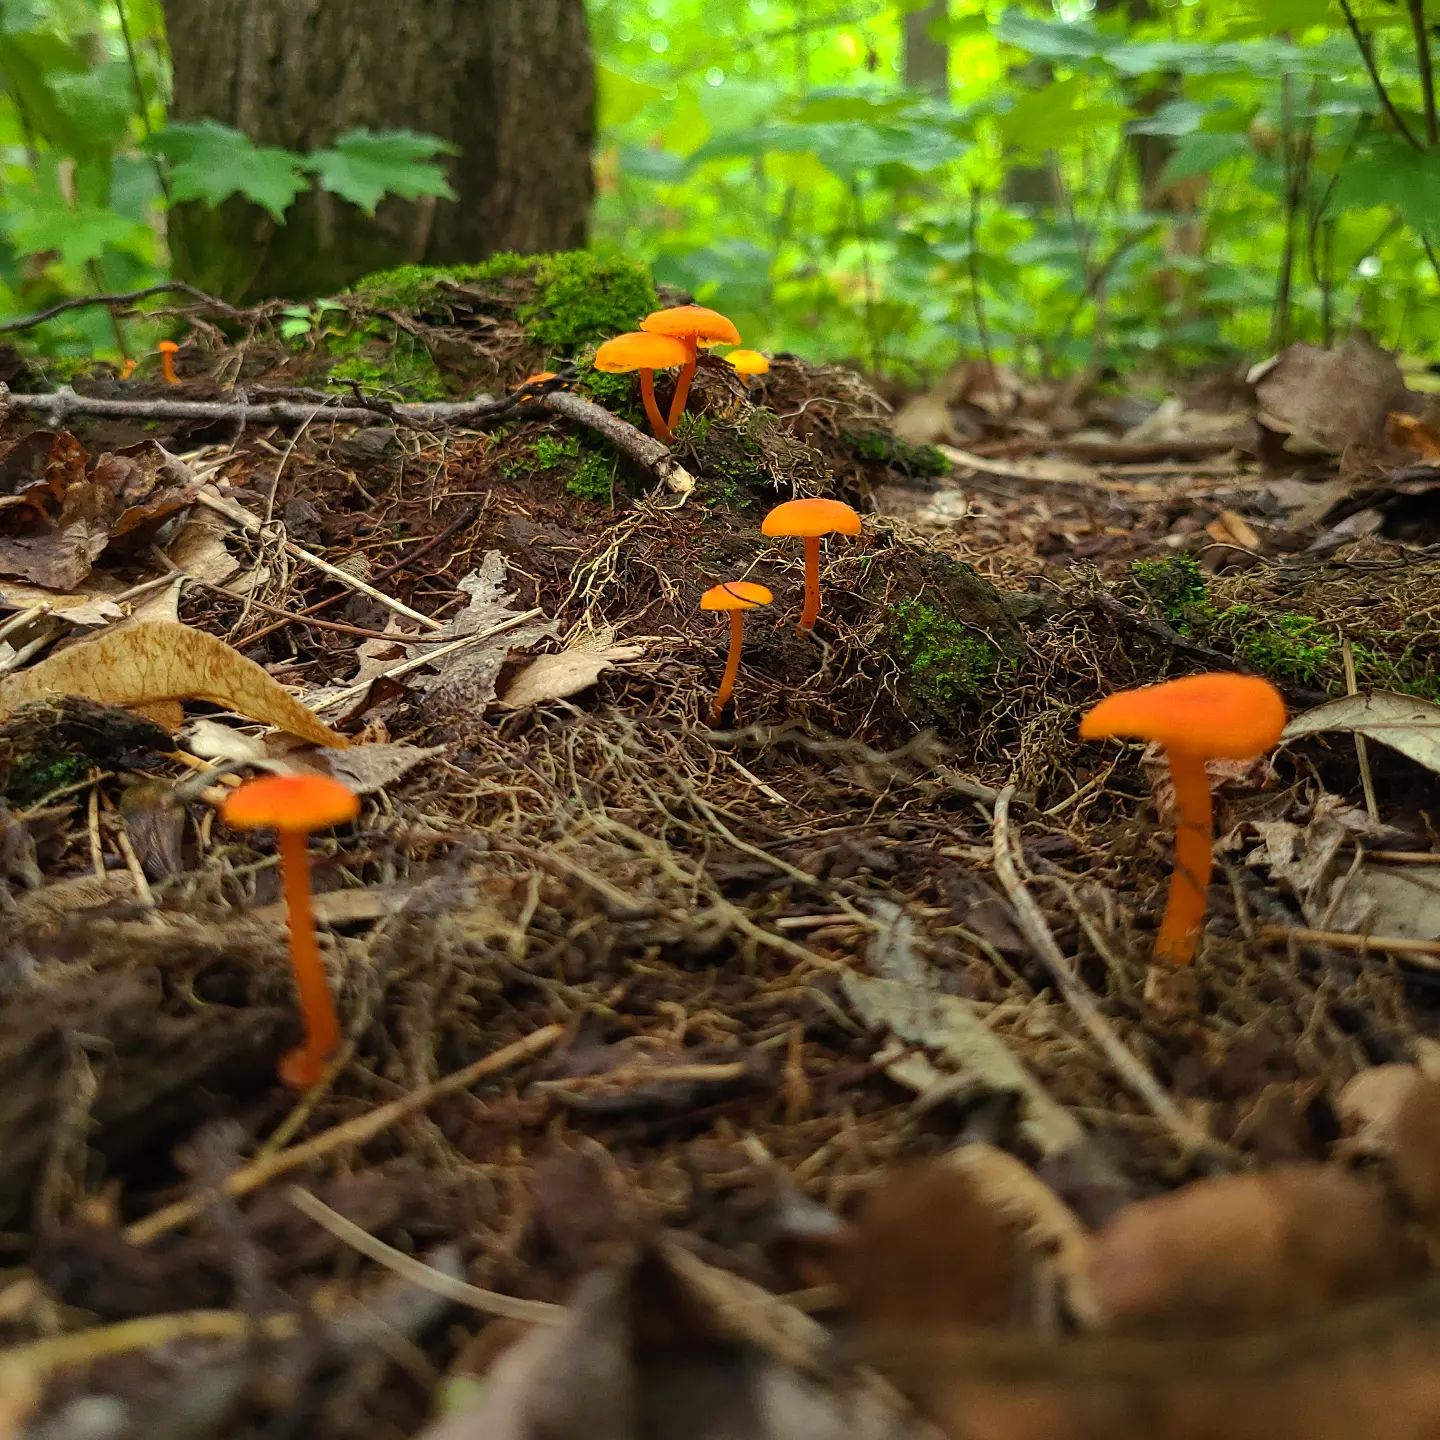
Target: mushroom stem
{"type": "Point", "coordinates": [682, 384]}
{"type": "Point", "coordinates": [167, 367]}
{"type": "Point", "coordinates": [1194, 858]}
{"type": "Point", "coordinates": [303, 1067]}
{"type": "Point", "coordinates": [657, 421]}
{"type": "Point", "coordinates": [810, 613]}
{"type": "Point", "coordinates": [732, 667]}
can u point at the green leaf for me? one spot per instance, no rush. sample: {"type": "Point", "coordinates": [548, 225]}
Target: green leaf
{"type": "Point", "coordinates": [1203, 152]}
{"type": "Point", "coordinates": [212, 162]}
{"type": "Point", "coordinates": [1388, 172]}
{"type": "Point", "coordinates": [1052, 39]}
{"type": "Point", "coordinates": [364, 165]}
{"type": "Point", "coordinates": [97, 103]}
{"type": "Point", "coordinates": [76, 236]}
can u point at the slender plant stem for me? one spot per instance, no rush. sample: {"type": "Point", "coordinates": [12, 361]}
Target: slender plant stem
{"type": "Point", "coordinates": [1426, 68]}
{"type": "Point", "coordinates": [1367, 54]}
{"type": "Point", "coordinates": [977, 302]}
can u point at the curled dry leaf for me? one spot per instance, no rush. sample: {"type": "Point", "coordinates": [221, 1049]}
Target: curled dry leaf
{"type": "Point", "coordinates": [556, 677]}
{"type": "Point", "coordinates": [1392, 1113]}
{"type": "Point", "coordinates": [1403, 722]}
{"type": "Point", "coordinates": [959, 1241]}
{"type": "Point", "coordinates": [1238, 1252]}
{"type": "Point", "coordinates": [1324, 401]}
{"type": "Point", "coordinates": [154, 661]}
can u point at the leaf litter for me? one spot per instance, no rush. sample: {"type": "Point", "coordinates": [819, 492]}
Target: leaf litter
{"type": "Point", "coordinates": [735, 1044]}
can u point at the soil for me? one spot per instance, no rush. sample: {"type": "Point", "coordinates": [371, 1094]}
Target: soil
{"type": "Point", "coordinates": [684, 904]}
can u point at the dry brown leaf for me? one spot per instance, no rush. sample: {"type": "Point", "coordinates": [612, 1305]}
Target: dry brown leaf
{"type": "Point", "coordinates": [556, 677]}
{"type": "Point", "coordinates": [367, 768]}
{"type": "Point", "coordinates": [1414, 434]}
{"type": "Point", "coordinates": [1238, 1252]}
{"type": "Point", "coordinates": [1325, 401]}
{"type": "Point", "coordinates": [156, 660]}
{"type": "Point", "coordinates": [1392, 1113]}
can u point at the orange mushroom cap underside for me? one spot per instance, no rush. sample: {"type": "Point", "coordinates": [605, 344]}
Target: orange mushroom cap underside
{"type": "Point", "coordinates": [638, 351]}
{"type": "Point", "coordinates": [1219, 716]}
{"type": "Point", "coordinates": [811, 517]}
{"type": "Point", "coordinates": [290, 802]}
{"type": "Point", "coordinates": [735, 595]}
{"type": "Point", "coordinates": [692, 322]}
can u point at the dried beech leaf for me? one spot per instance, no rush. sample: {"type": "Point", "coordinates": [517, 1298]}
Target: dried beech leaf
{"type": "Point", "coordinates": [1238, 1252]}
{"type": "Point", "coordinates": [1324, 401]}
{"type": "Point", "coordinates": [1392, 1113]}
{"type": "Point", "coordinates": [556, 677]}
{"type": "Point", "coordinates": [1403, 722]}
{"type": "Point", "coordinates": [156, 660]}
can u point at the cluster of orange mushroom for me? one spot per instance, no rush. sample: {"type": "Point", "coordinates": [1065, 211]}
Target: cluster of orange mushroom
{"type": "Point", "coordinates": [672, 339]}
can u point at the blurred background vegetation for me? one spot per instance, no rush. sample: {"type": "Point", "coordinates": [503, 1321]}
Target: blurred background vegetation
{"type": "Point", "coordinates": [1155, 184]}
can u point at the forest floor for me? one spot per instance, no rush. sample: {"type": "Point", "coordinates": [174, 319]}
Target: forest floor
{"type": "Point", "coordinates": [665, 1011]}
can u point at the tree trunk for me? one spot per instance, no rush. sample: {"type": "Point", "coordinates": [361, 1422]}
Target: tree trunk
{"type": "Point", "coordinates": [510, 83]}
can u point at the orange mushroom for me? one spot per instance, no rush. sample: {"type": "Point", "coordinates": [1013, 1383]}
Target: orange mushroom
{"type": "Point", "coordinates": [293, 806]}
{"type": "Point", "coordinates": [647, 354]}
{"type": "Point", "coordinates": [1199, 718]}
{"type": "Point", "coordinates": [749, 363]}
{"type": "Point", "coordinates": [736, 597]}
{"type": "Point", "coordinates": [810, 519]}
{"type": "Point", "coordinates": [167, 349]}
{"type": "Point", "coordinates": [692, 326]}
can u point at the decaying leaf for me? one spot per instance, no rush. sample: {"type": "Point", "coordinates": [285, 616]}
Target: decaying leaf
{"type": "Point", "coordinates": [1403, 722]}
{"type": "Point", "coordinates": [466, 680]}
{"type": "Point", "coordinates": [1414, 434]}
{"type": "Point", "coordinates": [556, 677]}
{"type": "Point", "coordinates": [1391, 1113]}
{"type": "Point", "coordinates": [65, 510]}
{"type": "Point", "coordinates": [367, 768]}
{"type": "Point", "coordinates": [1324, 401]}
{"type": "Point", "coordinates": [1231, 1254]}
{"type": "Point", "coordinates": [86, 605]}
{"type": "Point", "coordinates": [155, 660]}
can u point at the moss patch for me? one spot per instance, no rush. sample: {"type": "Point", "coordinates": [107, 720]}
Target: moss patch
{"type": "Point", "coordinates": [915, 462]}
{"type": "Point", "coordinates": [946, 664]}
{"type": "Point", "coordinates": [1173, 584]}
{"type": "Point", "coordinates": [42, 772]}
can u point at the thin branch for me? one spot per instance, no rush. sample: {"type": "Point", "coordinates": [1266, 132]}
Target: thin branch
{"type": "Point", "coordinates": [1367, 54]}
{"type": "Point", "coordinates": [972, 263]}
{"type": "Point", "coordinates": [128, 297]}
{"type": "Point", "coordinates": [1427, 72]}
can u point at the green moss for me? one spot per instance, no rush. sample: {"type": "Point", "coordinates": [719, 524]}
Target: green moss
{"type": "Point", "coordinates": [1175, 584]}
{"type": "Point", "coordinates": [565, 300]}
{"type": "Point", "coordinates": [41, 773]}
{"type": "Point", "coordinates": [1286, 646]}
{"type": "Point", "coordinates": [550, 452]}
{"type": "Point", "coordinates": [914, 461]}
{"type": "Point", "coordinates": [594, 479]}
{"type": "Point", "coordinates": [367, 359]}
{"type": "Point", "coordinates": [64, 369]}
{"type": "Point", "coordinates": [947, 664]}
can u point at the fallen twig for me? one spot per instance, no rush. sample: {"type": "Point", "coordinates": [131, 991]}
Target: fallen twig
{"type": "Point", "coordinates": [125, 297]}
{"type": "Point", "coordinates": [1423, 953]}
{"type": "Point", "coordinates": [1123, 1061]}
{"type": "Point", "coordinates": [641, 449]}
{"type": "Point", "coordinates": [357, 1131]}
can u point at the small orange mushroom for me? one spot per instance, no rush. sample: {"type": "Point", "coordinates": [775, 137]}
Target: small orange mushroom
{"type": "Point", "coordinates": [647, 354]}
{"type": "Point", "coordinates": [749, 363]}
{"type": "Point", "coordinates": [692, 326]}
{"type": "Point", "coordinates": [293, 806]}
{"type": "Point", "coordinates": [167, 349]}
{"type": "Point", "coordinates": [127, 369]}
{"type": "Point", "coordinates": [1199, 718]}
{"type": "Point", "coordinates": [810, 519]}
{"type": "Point", "coordinates": [736, 597]}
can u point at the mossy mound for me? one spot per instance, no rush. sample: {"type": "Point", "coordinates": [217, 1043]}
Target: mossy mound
{"type": "Point", "coordinates": [1291, 624]}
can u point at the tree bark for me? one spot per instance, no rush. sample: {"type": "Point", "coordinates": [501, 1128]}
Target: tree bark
{"type": "Point", "coordinates": [510, 83]}
{"type": "Point", "coordinates": [927, 60]}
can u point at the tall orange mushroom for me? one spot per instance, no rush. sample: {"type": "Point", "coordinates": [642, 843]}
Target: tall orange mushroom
{"type": "Point", "coordinates": [293, 806]}
{"type": "Point", "coordinates": [736, 597]}
{"type": "Point", "coordinates": [167, 349]}
{"type": "Point", "coordinates": [810, 520]}
{"type": "Point", "coordinates": [692, 326]}
{"type": "Point", "coordinates": [647, 354]}
{"type": "Point", "coordinates": [1199, 718]}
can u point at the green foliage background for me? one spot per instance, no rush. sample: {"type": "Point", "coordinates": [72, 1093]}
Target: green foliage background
{"type": "Point", "coordinates": [766, 155]}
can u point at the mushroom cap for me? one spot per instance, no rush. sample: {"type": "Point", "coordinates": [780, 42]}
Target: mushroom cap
{"type": "Point", "coordinates": [692, 322]}
{"type": "Point", "coordinates": [539, 377]}
{"type": "Point", "coordinates": [639, 351]}
{"type": "Point", "coordinates": [169, 345]}
{"type": "Point", "coordinates": [748, 362]}
{"type": "Point", "coordinates": [735, 595]}
{"type": "Point", "coordinates": [290, 802]}
{"type": "Point", "coordinates": [811, 517]}
{"type": "Point", "coordinates": [1218, 716]}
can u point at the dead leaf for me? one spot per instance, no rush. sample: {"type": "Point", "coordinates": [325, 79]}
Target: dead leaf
{"type": "Point", "coordinates": [1414, 434]}
{"type": "Point", "coordinates": [86, 605]}
{"type": "Point", "coordinates": [1232, 528]}
{"type": "Point", "coordinates": [1233, 1253]}
{"type": "Point", "coordinates": [1403, 722]}
{"type": "Point", "coordinates": [466, 680]}
{"type": "Point", "coordinates": [155, 660]}
{"type": "Point", "coordinates": [556, 677]}
{"type": "Point", "coordinates": [68, 511]}
{"type": "Point", "coordinates": [367, 768]}
{"type": "Point", "coordinates": [1392, 1113]}
{"type": "Point", "coordinates": [1325, 401]}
